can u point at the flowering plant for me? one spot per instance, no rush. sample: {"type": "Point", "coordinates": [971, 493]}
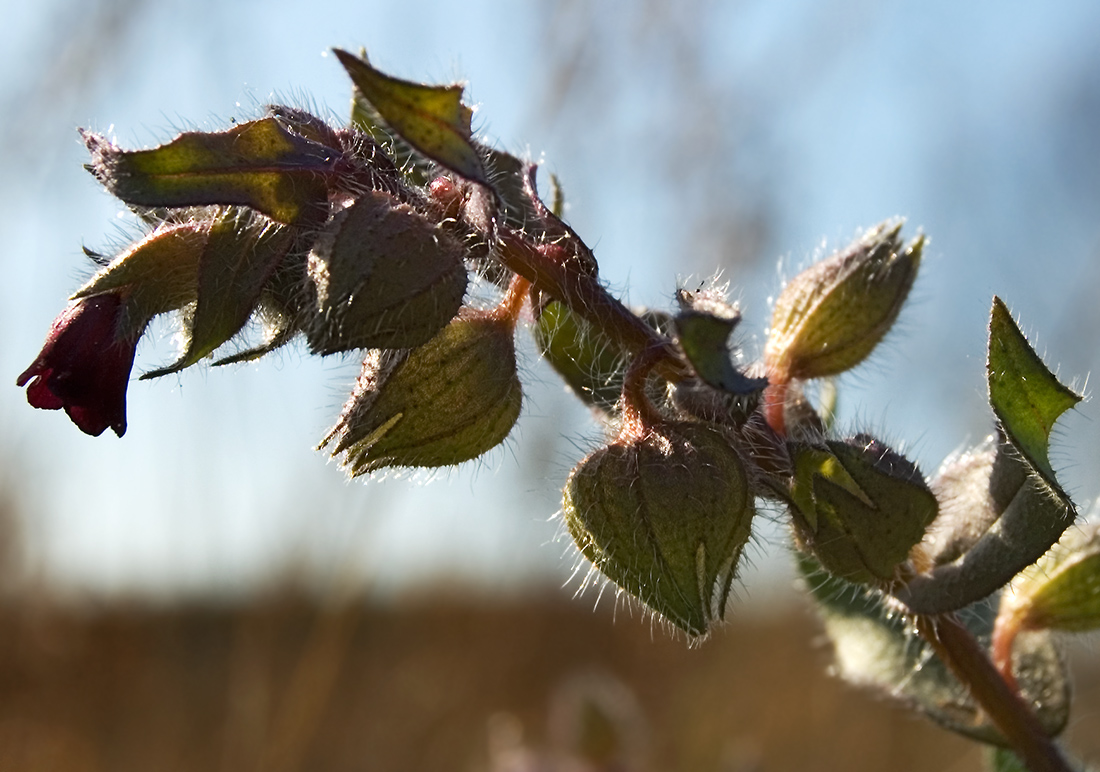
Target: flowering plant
{"type": "Point", "coordinates": [368, 237]}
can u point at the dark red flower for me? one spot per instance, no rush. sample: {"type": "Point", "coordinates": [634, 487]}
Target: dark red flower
{"type": "Point", "coordinates": [84, 366]}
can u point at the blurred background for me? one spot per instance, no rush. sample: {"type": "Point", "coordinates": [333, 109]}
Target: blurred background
{"type": "Point", "coordinates": [745, 137]}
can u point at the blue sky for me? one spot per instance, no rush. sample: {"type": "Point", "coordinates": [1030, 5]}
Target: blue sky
{"type": "Point", "coordinates": [977, 123]}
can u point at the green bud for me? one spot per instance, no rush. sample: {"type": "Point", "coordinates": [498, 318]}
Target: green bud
{"type": "Point", "coordinates": [218, 265]}
{"type": "Point", "coordinates": [1061, 591]}
{"type": "Point", "coordinates": [831, 316]}
{"type": "Point", "coordinates": [241, 253]}
{"type": "Point", "coordinates": [859, 507]}
{"type": "Point", "coordinates": [448, 401]}
{"type": "Point", "coordinates": [664, 513]}
{"type": "Point", "coordinates": [386, 277]}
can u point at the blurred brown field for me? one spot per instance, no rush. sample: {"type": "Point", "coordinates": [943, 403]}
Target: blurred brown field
{"type": "Point", "coordinates": [285, 683]}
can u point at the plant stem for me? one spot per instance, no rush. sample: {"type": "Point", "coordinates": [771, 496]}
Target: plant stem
{"type": "Point", "coordinates": [639, 414]}
{"type": "Point", "coordinates": [1006, 709]}
{"type": "Point", "coordinates": [775, 406]}
{"type": "Point", "coordinates": [1005, 630]}
{"type": "Point", "coordinates": [586, 297]}
{"type": "Point", "coordinates": [512, 302]}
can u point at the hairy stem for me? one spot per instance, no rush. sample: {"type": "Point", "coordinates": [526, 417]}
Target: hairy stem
{"type": "Point", "coordinates": [638, 412]}
{"type": "Point", "coordinates": [1006, 709]}
{"type": "Point", "coordinates": [586, 297]}
{"type": "Point", "coordinates": [775, 406]}
{"type": "Point", "coordinates": [1005, 630]}
{"type": "Point", "coordinates": [512, 302]}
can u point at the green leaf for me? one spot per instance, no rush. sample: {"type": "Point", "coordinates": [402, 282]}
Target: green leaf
{"type": "Point", "coordinates": [1071, 601]}
{"type": "Point", "coordinates": [1031, 509]}
{"type": "Point", "coordinates": [276, 337]}
{"type": "Point", "coordinates": [508, 174]}
{"type": "Point", "coordinates": [860, 507]}
{"type": "Point", "coordinates": [1031, 516]}
{"type": "Point", "coordinates": [238, 260]}
{"type": "Point", "coordinates": [415, 168]}
{"type": "Point", "coordinates": [260, 164]}
{"type": "Point", "coordinates": [158, 274]}
{"type": "Point", "coordinates": [430, 118]}
{"type": "Point", "coordinates": [591, 363]}
{"type": "Point", "coordinates": [703, 327]}
{"type": "Point", "coordinates": [282, 309]}
{"type": "Point", "coordinates": [1026, 397]}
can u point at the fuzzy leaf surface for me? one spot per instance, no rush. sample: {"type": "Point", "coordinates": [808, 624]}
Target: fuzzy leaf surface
{"type": "Point", "coordinates": [238, 260]}
{"type": "Point", "coordinates": [260, 164]}
{"type": "Point", "coordinates": [1032, 511]}
{"type": "Point", "coordinates": [414, 168]}
{"type": "Point", "coordinates": [1025, 396]}
{"type": "Point", "coordinates": [430, 118]}
{"type": "Point", "coordinates": [588, 361]}
{"type": "Point", "coordinates": [703, 328]}
{"type": "Point", "coordinates": [158, 274]}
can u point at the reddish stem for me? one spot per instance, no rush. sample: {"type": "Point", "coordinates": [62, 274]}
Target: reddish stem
{"type": "Point", "coordinates": [512, 303]}
{"type": "Point", "coordinates": [639, 414]}
{"type": "Point", "coordinates": [1006, 709]}
{"type": "Point", "coordinates": [775, 406]}
{"type": "Point", "coordinates": [1004, 635]}
{"type": "Point", "coordinates": [586, 297]}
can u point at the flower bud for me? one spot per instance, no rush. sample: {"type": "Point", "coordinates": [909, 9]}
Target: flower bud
{"type": "Point", "coordinates": [859, 507]}
{"type": "Point", "coordinates": [84, 366]}
{"type": "Point", "coordinates": [448, 401]}
{"type": "Point", "coordinates": [386, 277]}
{"type": "Point", "coordinates": [830, 317]}
{"type": "Point", "coordinates": [664, 512]}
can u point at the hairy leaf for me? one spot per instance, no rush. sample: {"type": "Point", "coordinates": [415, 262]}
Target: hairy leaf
{"type": "Point", "coordinates": [588, 361]}
{"type": "Point", "coordinates": [703, 328]}
{"type": "Point", "coordinates": [1032, 511]}
{"type": "Point", "coordinates": [238, 260]}
{"type": "Point", "coordinates": [413, 167]}
{"type": "Point", "coordinates": [1025, 396]}
{"type": "Point", "coordinates": [260, 164]}
{"type": "Point", "coordinates": [430, 118]}
{"type": "Point", "coordinates": [158, 274]}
